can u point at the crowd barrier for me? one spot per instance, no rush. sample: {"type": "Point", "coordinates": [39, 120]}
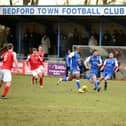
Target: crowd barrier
{"type": "Point", "coordinates": [50, 69]}
{"type": "Point", "coordinates": [57, 69]}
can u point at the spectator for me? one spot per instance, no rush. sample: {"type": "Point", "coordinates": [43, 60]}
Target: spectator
{"type": "Point", "coordinates": [106, 40]}
{"type": "Point", "coordinates": [45, 41]}
{"type": "Point", "coordinates": [114, 40]}
{"type": "Point", "coordinates": [26, 43]}
{"type": "Point", "coordinates": [63, 45]}
{"type": "Point", "coordinates": [92, 41]}
{"type": "Point", "coordinates": [76, 36]}
{"type": "Point", "coordinates": [11, 38]}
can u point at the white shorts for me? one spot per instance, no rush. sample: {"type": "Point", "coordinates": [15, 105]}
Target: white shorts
{"type": "Point", "coordinates": [36, 71]}
{"type": "Point", "coordinates": [7, 76]}
{"type": "Point", "coordinates": [42, 68]}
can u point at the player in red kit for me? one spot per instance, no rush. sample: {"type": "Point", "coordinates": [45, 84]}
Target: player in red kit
{"type": "Point", "coordinates": [34, 61]}
{"type": "Point", "coordinates": [41, 55]}
{"type": "Point", "coordinates": [8, 58]}
{"type": "Point", "coordinates": [41, 52]}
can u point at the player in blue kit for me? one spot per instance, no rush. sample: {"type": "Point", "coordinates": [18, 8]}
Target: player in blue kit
{"type": "Point", "coordinates": [110, 66]}
{"type": "Point", "coordinates": [93, 63]}
{"type": "Point", "coordinates": [74, 69]}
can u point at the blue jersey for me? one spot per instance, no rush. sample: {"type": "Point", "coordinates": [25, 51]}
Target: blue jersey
{"type": "Point", "coordinates": [110, 65]}
{"type": "Point", "coordinates": [74, 63]}
{"type": "Point", "coordinates": [94, 61]}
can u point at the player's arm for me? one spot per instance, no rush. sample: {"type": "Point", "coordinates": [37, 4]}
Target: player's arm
{"type": "Point", "coordinates": [15, 60]}
{"type": "Point", "coordinates": [86, 63]}
{"type": "Point", "coordinates": [71, 55]}
{"type": "Point", "coordinates": [116, 65]}
{"type": "Point", "coordinates": [100, 62]}
{"type": "Point", "coordinates": [43, 57]}
{"type": "Point", "coordinates": [27, 60]}
{"type": "Point", "coordinates": [1, 58]}
{"type": "Point", "coordinates": [41, 60]}
{"type": "Point", "coordinates": [103, 66]}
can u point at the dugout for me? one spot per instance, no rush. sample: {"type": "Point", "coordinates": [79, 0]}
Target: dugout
{"type": "Point", "coordinates": [59, 26]}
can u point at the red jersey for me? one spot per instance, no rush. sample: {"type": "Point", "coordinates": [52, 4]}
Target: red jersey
{"type": "Point", "coordinates": [34, 61]}
{"type": "Point", "coordinates": [8, 59]}
{"type": "Point", "coordinates": [41, 55]}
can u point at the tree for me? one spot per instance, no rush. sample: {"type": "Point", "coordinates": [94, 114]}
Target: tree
{"type": "Point", "coordinates": [25, 2]}
{"type": "Point", "coordinates": [11, 2]}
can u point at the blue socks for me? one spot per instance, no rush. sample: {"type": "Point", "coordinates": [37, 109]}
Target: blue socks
{"type": "Point", "coordinates": [78, 84]}
{"type": "Point", "coordinates": [96, 84]}
{"type": "Point", "coordinates": [65, 79]}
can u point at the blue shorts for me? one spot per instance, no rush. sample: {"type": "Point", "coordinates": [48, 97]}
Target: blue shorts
{"type": "Point", "coordinates": [106, 74]}
{"type": "Point", "coordinates": [90, 76]}
{"type": "Point", "coordinates": [74, 72]}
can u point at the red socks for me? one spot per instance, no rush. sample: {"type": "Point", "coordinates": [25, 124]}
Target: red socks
{"type": "Point", "coordinates": [5, 91]}
{"type": "Point", "coordinates": [41, 81]}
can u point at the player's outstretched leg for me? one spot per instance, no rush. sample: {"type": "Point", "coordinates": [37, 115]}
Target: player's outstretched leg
{"type": "Point", "coordinates": [6, 90]}
{"type": "Point", "coordinates": [62, 79]}
{"type": "Point", "coordinates": [95, 84]}
{"type": "Point", "coordinates": [41, 82]}
{"type": "Point", "coordinates": [98, 88]}
{"type": "Point", "coordinates": [33, 79]}
{"type": "Point", "coordinates": [1, 84]}
{"type": "Point", "coordinates": [79, 86]}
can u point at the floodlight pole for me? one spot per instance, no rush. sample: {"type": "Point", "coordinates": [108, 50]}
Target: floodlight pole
{"type": "Point", "coordinates": [58, 44]}
{"type": "Point", "coordinates": [100, 33]}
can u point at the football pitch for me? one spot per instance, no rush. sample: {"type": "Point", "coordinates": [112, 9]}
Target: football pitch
{"type": "Point", "coordinates": [62, 105]}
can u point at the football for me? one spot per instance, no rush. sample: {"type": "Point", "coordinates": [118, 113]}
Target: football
{"type": "Point", "coordinates": [84, 88]}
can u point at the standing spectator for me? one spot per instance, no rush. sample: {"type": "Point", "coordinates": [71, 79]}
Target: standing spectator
{"type": "Point", "coordinates": [45, 41]}
{"type": "Point", "coordinates": [11, 38]}
{"type": "Point", "coordinates": [106, 39]}
{"type": "Point", "coordinates": [70, 40]}
{"type": "Point", "coordinates": [122, 38]}
{"type": "Point", "coordinates": [32, 41]}
{"type": "Point", "coordinates": [92, 41]}
{"type": "Point", "coordinates": [114, 40]}
{"type": "Point", "coordinates": [8, 58]}
{"type": "Point", "coordinates": [26, 43]}
{"type": "Point", "coordinates": [63, 45]}
{"type": "Point", "coordinates": [76, 36]}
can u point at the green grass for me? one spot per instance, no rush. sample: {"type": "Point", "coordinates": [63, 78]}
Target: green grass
{"type": "Point", "coordinates": [62, 105]}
